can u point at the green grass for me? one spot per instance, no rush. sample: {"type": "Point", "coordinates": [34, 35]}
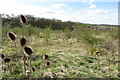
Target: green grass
{"type": "Point", "coordinates": [86, 53]}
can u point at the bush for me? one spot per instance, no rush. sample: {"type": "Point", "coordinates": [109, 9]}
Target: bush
{"type": "Point", "coordinates": [46, 33]}
{"type": "Point", "coordinates": [67, 33]}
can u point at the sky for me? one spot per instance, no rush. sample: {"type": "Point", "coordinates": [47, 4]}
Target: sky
{"type": "Point", "coordinates": [84, 11]}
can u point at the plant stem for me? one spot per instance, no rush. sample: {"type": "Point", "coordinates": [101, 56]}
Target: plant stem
{"type": "Point", "coordinates": [21, 68]}
{"type": "Point", "coordinates": [30, 65]}
{"type": "Point", "coordinates": [11, 72]}
{"type": "Point", "coordinates": [24, 71]}
{"type": "Point", "coordinates": [15, 47]}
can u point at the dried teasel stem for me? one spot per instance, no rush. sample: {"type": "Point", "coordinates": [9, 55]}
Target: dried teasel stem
{"type": "Point", "coordinates": [24, 62]}
{"type": "Point", "coordinates": [15, 46]}
{"type": "Point", "coordinates": [23, 69]}
{"type": "Point", "coordinates": [23, 42]}
{"type": "Point", "coordinates": [28, 52]}
{"type": "Point", "coordinates": [11, 72]}
{"type": "Point", "coordinates": [30, 64]}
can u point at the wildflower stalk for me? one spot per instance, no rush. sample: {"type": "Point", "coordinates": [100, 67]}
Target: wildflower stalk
{"type": "Point", "coordinates": [30, 65]}
{"type": "Point", "coordinates": [15, 46]}
{"type": "Point", "coordinates": [11, 71]}
{"type": "Point", "coordinates": [24, 68]}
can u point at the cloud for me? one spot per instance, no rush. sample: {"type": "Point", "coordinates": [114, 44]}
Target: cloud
{"type": "Point", "coordinates": [57, 6]}
{"type": "Point", "coordinates": [50, 12]}
{"type": "Point", "coordinates": [96, 17]}
{"type": "Point", "coordinates": [98, 11]}
{"type": "Point", "coordinates": [13, 7]}
{"type": "Point", "coordinates": [91, 2]}
{"type": "Point", "coordinates": [92, 6]}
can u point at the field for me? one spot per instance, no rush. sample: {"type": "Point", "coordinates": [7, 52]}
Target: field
{"type": "Point", "coordinates": [84, 52]}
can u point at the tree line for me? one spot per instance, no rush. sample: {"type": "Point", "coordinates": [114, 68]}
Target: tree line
{"type": "Point", "coordinates": [55, 24]}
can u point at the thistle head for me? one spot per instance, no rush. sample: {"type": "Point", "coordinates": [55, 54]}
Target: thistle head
{"type": "Point", "coordinates": [11, 36]}
{"type": "Point", "coordinates": [23, 41]}
{"type": "Point", "coordinates": [27, 50]}
{"type": "Point", "coordinates": [23, 19]}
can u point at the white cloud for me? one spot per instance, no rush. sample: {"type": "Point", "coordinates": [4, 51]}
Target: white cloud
{"type": "Point", "coordinates": [90, 2]}
{"type": "Point", "coordinates": [92, 6]}
{"type": "Point", "coordinates": [97, 11]}
{"type": "Point", "coordinates": [57, 6]}
{"type": "Point", "coordinates": [93, 17]}
{"type": "Point", "coordinates": [12, 7]}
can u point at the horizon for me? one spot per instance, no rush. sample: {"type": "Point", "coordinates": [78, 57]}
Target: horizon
{"type": "Point", "coordinates": [86, 11]}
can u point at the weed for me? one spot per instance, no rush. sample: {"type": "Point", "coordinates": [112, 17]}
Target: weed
{"type": "Point", "coordinates": [46, 33]}
{"type": "Point", "coordinates": [67, 32]}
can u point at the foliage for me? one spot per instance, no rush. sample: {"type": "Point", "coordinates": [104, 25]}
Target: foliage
{"type": "Point", "coordinates": [38, 22]}
{"type": "Point", "coordinates": [67, 32]}
{"type": "Point", "coordinates": [46, 33]}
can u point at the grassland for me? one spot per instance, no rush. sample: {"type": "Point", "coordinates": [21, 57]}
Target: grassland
{"type": "Point", "coordinates": [84, 52]}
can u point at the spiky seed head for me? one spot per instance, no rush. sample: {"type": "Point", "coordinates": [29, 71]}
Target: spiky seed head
{"type": "Point", "coordinates": [2, 56]}
{"type": "Point", "coordinates": [11, 36]}
{"type": "Point", "coordinates": [27, 50]}
{"type": "Point", "coordinates": [23, 41]}
{"type": "Point", "coordinates": [45, 56]}
{"type": "Point", "coordinates": [47, 63]}
{"type": "Point", "coordinates": [23, 19]}
{"type": "Point", "coordinates": [33, 68]}
{"type": "Point", "coordinates": [7, 60]}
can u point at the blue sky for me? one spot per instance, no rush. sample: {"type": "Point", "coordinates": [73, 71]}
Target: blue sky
{"type": "Point", "coordinates": [85, 11]}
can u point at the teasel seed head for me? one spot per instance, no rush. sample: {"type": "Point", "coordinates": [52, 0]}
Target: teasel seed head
{"type": "Point", "coordinates": [23, 41]}
{"type": "Point", "coordinates": [47, 63]}
{"type": "Point", "coordinates": [11, 36]}
{"type": "Point", "coordinates": [7, 60]}
{"type": "Point", "coordinates": [45, 56]}
{"type": "Point", "coordinates": [23, 19]}
{"type": "Point", "coordinates": [27, 50]}
{"type": "Point", "coordinates": [2, 56]}
{"type": "Point", "coordinates": [33, 68]}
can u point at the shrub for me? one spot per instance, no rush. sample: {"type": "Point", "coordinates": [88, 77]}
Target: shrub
{"type": "Point", "coordinates": [67, 33]}
{"type": "Point", "coordinates": [47, 32]}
